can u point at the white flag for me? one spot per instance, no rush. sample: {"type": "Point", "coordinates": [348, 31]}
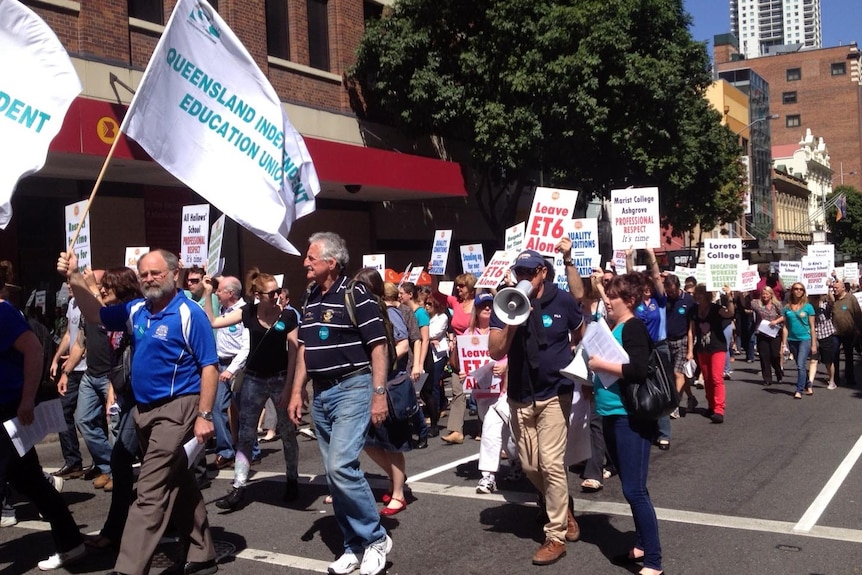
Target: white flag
{"type": "Point", "coordinates": [37, 85]}
{"type": "Point", "coordinates": [209, 116]}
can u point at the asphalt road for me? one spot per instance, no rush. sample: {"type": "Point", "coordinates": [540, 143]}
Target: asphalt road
{"type": "Point", "coordinates": [774, 490]}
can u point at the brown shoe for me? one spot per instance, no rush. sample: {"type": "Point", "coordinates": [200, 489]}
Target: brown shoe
{"type": "Point", "coordinates": [101, 481]}
{"type": "Point", "coordinates": [454, 437]}
{"type": "Point", "coordinates": [109, 486]}
{"type": "Point", "coordinates": [551, 551]}
{"type": "Point", "coordinates": [573, 530]}
{"type": "Point", "coordinates": [220, 463]}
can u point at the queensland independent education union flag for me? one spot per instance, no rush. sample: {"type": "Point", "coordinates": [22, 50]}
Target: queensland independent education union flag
{"type": "Point", "coordinates": [37, 85]}
{"type": "Point", "coordinates": [209, 116]}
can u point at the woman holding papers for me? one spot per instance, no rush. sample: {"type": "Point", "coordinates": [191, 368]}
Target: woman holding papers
{"type": "Point", "coordinates": [768, 319]}
{"type": "Point", "coordinates": [707, 338]}
{"type": "Point", "coordinates": [628, 439]}
{"type": "Point", "coordinates": [799, 336]}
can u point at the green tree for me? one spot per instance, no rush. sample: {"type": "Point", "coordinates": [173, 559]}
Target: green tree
{"type": "Point", "coordinates": [588, 94]}
{"type": "Point", "coordinates": [846, 232]}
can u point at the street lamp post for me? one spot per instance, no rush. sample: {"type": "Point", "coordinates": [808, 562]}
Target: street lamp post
{"type": "Point", "coordinates": [763, 119]}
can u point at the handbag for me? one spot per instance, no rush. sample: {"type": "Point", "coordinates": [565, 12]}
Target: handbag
{"type": "Point", "coordinates": [401, 397]}
{"type": "Point", "coordinates": [653, 398]}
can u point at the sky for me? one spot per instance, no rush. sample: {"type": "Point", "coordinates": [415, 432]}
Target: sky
{"type": "Point", "coordinates": [842, 20]}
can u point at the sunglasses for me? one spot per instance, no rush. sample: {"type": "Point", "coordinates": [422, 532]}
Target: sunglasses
{"type": "Point", "coordinates": [525, 272]}
{"type": "Point", "coordinates": [484, 304]}
{"type": "Point", "coordinates": [798, 289]}
{"type": "Point", "coordinates": [193, 281]}
{"type": "Point", "coordinates": [271, 294]}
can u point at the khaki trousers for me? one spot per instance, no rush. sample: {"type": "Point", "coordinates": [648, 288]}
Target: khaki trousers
{"type": "Point", "coordinates": [167, 491]}
{"type": "Point", "coordinates": [540, 432]}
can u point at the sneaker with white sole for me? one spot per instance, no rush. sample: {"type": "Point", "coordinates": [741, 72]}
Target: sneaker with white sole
{"type": "Point", "coordinates": [56, 482]}
{"type": "Point", "coordinates": [831, 385]}
{"type": "Point", "coordinates": [7, 516]}
{"type": "Point", "coordinates": [345, 564]}
{"type": "Point", "coordinates": [486, 485]}
{"type": "Point", "coordinates": [674, 414]}
{"type": "Point", "coordinates": [63, 559]}
{"type": "Point", "coordinates": [374, 560]}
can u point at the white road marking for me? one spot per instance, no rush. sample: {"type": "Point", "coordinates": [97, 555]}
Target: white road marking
{"type": "Point", "coordinates": [816, 509]}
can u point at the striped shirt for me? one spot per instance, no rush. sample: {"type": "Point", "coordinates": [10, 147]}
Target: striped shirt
{"type": "Point", "coordinates": [333, 345]}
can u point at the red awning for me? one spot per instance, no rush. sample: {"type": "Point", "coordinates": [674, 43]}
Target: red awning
{"type": "Point", "coordinates": [345, 171]}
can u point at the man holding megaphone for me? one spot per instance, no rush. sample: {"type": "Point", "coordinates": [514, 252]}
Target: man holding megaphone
{"type": "Point", "coordinates": [536, 325]}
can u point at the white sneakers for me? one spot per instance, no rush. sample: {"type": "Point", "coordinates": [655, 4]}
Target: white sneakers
{"type": "Point", "coordinates": [374, 560]}
{"type": "Point", "coordinates": [63, 559]}
{"type": "Point", "coordinates": [7, 516]}
{"type": "Point", "coordinates": [486, 485]}
{"type": "Point", "coordinates": [345, 564]}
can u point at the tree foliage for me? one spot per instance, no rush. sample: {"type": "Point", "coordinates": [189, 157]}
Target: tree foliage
{"type": "Point", "coordinates": [847, 232]}
{"type": "Point", "coordinates": [589, 94]}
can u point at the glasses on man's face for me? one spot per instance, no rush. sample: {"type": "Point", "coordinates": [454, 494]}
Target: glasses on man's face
{"type": "Point", "coordinates": [525, 272]}
{"type": "Point", "coordinates": [155, 275]}
{"type": "Point", "coordinates": [270, 294]}
{"type": "Point", "coordinates": [193, 281]}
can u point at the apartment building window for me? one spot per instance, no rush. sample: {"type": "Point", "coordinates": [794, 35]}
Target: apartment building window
{"type": "Point", "coordinates": [318, 34]}
{"type": "Point", "coordinates": [788, 97]}
{"type": "Point", "coordinates": [371, 11]}
{"type": "Point", "coordinates": [794, 74]}
{"type": "Point", "coordinates": [149, 10]}
{"type": "Point", "coordinates": [838, 68]}
{"type": "Point", "coordinates": [793, 121]}
{"type": "Point", "coordinates": [277, 38]}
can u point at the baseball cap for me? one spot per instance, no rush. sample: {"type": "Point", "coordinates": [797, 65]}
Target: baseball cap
{"type": "Point", "coordinates": [529, 259]}
{"type": "Point", "coordinates": [483, 298]}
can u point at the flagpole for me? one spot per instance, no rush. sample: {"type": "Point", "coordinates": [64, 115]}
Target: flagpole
{"type": "Point", "coordinates": [93, 193]}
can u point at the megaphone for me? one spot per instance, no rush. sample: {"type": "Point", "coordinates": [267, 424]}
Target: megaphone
{"type": "Point", "coordinates": [512, 304]}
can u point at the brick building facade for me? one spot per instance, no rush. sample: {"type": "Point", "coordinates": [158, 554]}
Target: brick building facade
{"type": "Point", "coordinates": [820, 90]}
{"type": "Point", "coordinates": [376, 188]}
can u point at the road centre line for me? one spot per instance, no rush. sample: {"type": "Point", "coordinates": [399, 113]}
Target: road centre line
{"type": "Point", "coordinates": [818, 506]}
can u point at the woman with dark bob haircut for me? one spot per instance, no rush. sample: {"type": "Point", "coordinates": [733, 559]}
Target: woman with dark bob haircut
{"type": "Point", "coordinates": [629, 439]}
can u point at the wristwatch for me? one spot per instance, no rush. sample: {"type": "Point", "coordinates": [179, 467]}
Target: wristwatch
{"type": "Point", "coordinates": [380, 390]}
{"type": "Point", "coordinates": [568, 262]}
{"type": "Point", "coordinates": [206, 415]}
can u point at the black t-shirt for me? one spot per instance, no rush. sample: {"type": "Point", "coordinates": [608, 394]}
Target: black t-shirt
{"type": "Point", "coordinates": [709, 330]}
{"type": "Point", "coordinates": [267, 354]}
{"type": "Point", "coordinates": [98, 349]}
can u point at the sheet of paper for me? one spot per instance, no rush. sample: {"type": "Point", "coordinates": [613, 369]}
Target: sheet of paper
{"type": "Point", "coordinates": [770, 330]}
{"type": "Point", "coordinates": [47, 418]}
{"type": "Point", "coordinates": [598, 340]}
{"type": "Point", "coordinates": [193, 449]}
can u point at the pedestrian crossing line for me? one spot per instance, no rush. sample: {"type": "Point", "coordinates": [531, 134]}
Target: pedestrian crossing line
{"type": "Point", "coordinates": [821, 502]}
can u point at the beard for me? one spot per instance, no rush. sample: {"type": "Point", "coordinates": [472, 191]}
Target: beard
{"type": "Point", "coordinates": [158, 291]}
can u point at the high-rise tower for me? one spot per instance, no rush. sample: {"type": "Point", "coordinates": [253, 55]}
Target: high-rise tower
{"type": "Point", "coordinates": [763, 26]}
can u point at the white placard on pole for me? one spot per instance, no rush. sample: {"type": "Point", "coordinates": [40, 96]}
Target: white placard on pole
{"type": "Point", "coordinates": [215, 263]}
{"type": "Point", "coordinates": [635, 218]}
{"type": "Point", "coordinates": [788, 272]}
{"type": "Point", "coordinates": [497, 270]}
{"type": "Point", "coordinates": [376, 261]}
{"type": "Point", "coordinates": [814, 275]}
{"type": "Point", "coordinates": [748, 277]}
{"type": "Point", "coordinates": [472, 259]}
{"type": "Point", "coordinates": [546, 225]}
{"type": "Point", "coordinates": [515, 238]}
{"type": "Point", "coordinates": [440, 252]}
{"type": "Point", "coordinates": [82, 245]}
{"type": "Point", "coordinates": [194, 232]}
{"type": "Point", "coordinates": [825, 252]}
{"type": "Point", "coordinates": [851, 272]}
{"type": "Point", "coordinates": [415, 273]}
{"type": "Point", "coordinates": [133, 255]}
{"type": "Point", "coordinates": [723, 258]}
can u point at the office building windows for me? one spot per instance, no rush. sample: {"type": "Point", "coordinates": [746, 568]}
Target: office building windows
{"type": "Point", "coordinates": [793, 121]}
{"type": "Point", "coordinates": [794, 74]}
{"type": "Point", "coordinates": [277, 37]}
{"type": "Point", "coordinates": [788, 97]}
{"type": "Point", "coordinates": [318, 34]}
{"type": "Point", "coordinates": [838, 68]}
{"type": "Point", "coordinates": [149, 10]}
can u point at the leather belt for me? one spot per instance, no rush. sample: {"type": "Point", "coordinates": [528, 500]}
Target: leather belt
{"type": "Point", "coordinates": [324, 384]}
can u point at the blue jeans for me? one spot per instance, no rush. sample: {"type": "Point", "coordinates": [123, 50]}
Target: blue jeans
{"type": "Point", "coordinates": [69, 437]}
{"type": "Point", "coordinates": [255, 391]}
{"type": "Point", "coordinates": [341, 417]}
{"type": "Point", "coordinates": [223, 439]}
{"type": "Point", "coordinates": [801, 350]}
{"type": "Point", "coordinates": [728, 336]}
{"type": "Point", "coordinates": [90, 417]}
{"type": "Point", "coordinates": [629, 443]}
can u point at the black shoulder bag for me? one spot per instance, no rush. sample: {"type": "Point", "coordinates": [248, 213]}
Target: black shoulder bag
{"type": "Point", "coordinates": [653, 398]}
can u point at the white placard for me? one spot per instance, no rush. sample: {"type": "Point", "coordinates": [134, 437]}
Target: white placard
{"type": "Point", "coordinates": [473, 354]}
{"type": "Point", "coordinates": [133, 255]}
{"type": "Point", "coordinates": [584, 233]}
{"type": "Point", "coordinates": [700, 273]}
{"type": "Point", "coordinates": [82, 245]}
{"type": "Point", "coordinates": [619, 260]}
{"type": "Point", "coordinates": [851, 272]}
{"type": "Point", "coordinates": [415, 273]}
{"type": "Point", "coordinates": [376, 261]}
{"type": "Point", "coordinates": [496, 270]}
{"type": "Point", "coordinates": [788, 272]}
{"type": "Point", "coordinates": [515, 238]}
{"type": "Point", "coordinates": [635, 218]}
{"type": "Point", "coordinates": [748, 277]}
{"type": "Point", "coordinates": [824, 252]}
{"type": "Point", "coordinates": [215, 263]}
{"type": "Point", "coordinates": [682, 272]}
{"type": "Point", "coordinates": [814, 275]}
{"type": "Point", "coordinates": [440, 252]}
{"type": "Point", "coordinates": [194, 232]}
{"type": "Point", "coordinates": [472, 259]}
{"type": "Point", "coordinates": [723, 258]}
{"type": "Point", "coordinates": [546, 225]}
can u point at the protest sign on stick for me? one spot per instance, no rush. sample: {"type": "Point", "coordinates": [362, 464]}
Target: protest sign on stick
{"type": "Point", "coordinates": [635, 218]}
{"type": "Point", "coordinates": [552, 208]}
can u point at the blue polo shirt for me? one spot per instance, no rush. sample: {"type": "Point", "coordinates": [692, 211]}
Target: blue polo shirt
{"type": "Point", "coordinates": [560, 316]}
{"type": "Point", "coordinates": [679, 315]}
{"type": "Point", "coordinates": [170, 347]}
{"type": "Point", "coordinates": [333, 345]}
{"type": "Point", "coordinates": [654, 316]}
{"type": "Point", "coordinates": [12, 325]}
